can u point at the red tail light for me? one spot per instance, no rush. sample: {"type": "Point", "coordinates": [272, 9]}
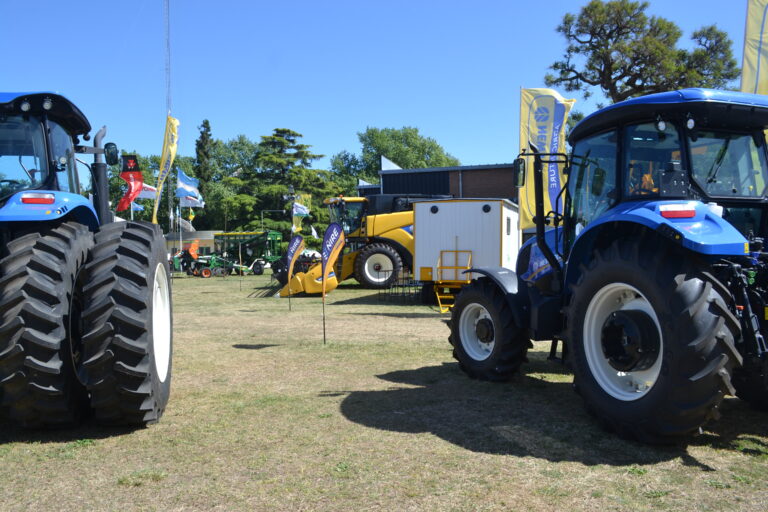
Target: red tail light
{"type": "Point", "coordinates": [37, 198]}
{"type": "Point", "coordinates": [677, 211]}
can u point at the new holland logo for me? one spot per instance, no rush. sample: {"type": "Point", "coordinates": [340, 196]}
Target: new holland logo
{"type": "Point", "coordinates": [541, 115]}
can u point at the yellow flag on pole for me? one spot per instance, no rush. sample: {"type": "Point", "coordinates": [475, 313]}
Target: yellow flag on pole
{"type": "Point", "coordinates": [543, 116]}
{"type": "Point", "coordinates": [754, 68]}
{"type": "Point", "coordinates": [170, 142]}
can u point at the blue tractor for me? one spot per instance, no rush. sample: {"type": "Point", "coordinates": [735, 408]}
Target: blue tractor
{"type": "Point", "coordinates": [655, 275]}
{"type": "Point", "coordinates": [85, 304]}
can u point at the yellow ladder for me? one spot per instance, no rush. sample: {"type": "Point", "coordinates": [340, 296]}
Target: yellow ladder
{"type": "Point", "coordinates": [450, 278]}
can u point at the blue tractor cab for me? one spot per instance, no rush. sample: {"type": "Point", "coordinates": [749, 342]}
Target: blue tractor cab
{"type": "Point", "coordinates": [85, 304]}
{"type": "Point", "coordinates": [654, 276]}
{"type": "Point", "coordinates": [40, 178]}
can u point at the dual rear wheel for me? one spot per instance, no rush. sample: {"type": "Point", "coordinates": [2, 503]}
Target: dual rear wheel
{"type": "Point", "coordinates": [85, 325]}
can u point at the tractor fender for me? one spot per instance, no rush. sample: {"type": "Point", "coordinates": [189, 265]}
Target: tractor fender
{"type": "Point", "coordinates": [506, 280]}
{"type": "Point", "coordinates": [698, 228]}
{"type": "Point", "coordinates": [705, 234]}
{"type": "Point", "coordinates": [65, 204]}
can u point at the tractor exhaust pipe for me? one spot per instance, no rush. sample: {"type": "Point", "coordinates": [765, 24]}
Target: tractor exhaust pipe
{"type": "Point", "coordinates": [100, 181]}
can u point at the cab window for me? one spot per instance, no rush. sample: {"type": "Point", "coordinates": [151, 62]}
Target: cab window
{"type": "Point", "coordinates": [23, 162]}
{"type": "Point", "coordinates": [729, 164]}
{"type": "Point", "coordinates": [648, 150]}
{"type": "Point", "coordinates": [63, 154]}
{"type": "Point", "coordinates": [592, 179]}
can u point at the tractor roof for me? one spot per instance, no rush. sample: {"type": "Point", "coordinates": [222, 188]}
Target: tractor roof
{"type": "Point", "coordinates": [62, 111]}
{"type": "Point", "coordinates": [708, 107]}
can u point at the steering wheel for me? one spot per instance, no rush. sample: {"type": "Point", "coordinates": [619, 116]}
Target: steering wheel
{"type": "Point", "coordinates": [12, 182]}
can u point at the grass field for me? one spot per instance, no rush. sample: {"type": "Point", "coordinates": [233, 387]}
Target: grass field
{"type": "Point", "coordinates": [264, 416]}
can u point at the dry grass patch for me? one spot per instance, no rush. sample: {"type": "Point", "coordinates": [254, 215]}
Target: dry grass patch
{"type": "Point", "coordinates": [263, 416]}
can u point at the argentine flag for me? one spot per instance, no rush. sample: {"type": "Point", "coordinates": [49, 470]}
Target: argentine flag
{"type": "Point", "coordinates": [186, 186]}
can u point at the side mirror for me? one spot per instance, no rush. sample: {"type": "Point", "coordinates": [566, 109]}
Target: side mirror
{"type": "Point", "coordinates": [110, 153]}
{"type": "Point", "coordinates": [518, 168]}
{"type": "Point", "coordinates": [598, 181]}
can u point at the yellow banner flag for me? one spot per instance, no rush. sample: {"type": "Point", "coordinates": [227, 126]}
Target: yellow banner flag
{"type": "Point", "coordinates": [543, 116]}
{"type": "Point", "coordinates": [754, 68]}
{"type": "Point", "coordinates": [170, 142]}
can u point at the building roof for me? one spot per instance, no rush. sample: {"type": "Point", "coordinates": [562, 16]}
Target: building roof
{"type": "Point", "coordinates": [448, 169]}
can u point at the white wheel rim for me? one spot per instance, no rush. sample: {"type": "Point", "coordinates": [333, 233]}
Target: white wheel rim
{"type": "Point", "coordinates": [625, 386]}
{"type": "Point", "coordinates": [472, 345]}
{"type": "Point", "coordinates": [161, 323]}
{"type": "Point", "coordinates": [378, 268]}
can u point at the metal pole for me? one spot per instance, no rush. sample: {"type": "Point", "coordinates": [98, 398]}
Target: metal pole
{"type": "Point", "coordinates": [323, 319]}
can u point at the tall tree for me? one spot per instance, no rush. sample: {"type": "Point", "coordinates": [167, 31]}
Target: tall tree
{"type": "Point", "coordinates": [204, 147]}
{"type": "Point", "coordinates": [281, 152]}
{"type": "Point", "coordinates": [616, 47]}
{"type": "Point", "coordinates": [405, 146]}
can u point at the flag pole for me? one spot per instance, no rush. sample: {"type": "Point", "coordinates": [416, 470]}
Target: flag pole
{"type": "Point", "coordinates": [323, 319]}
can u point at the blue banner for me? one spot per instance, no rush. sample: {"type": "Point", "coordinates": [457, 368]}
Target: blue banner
{"type": "Point", "coordinates": [333, 242]}
{"type": "Point", "coordinates": [295, 247]}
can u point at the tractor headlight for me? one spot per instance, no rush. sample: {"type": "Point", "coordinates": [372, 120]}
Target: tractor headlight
{"type": "Point", "coordinates": [47, 104]}
{"type": "Point", "coordinates": [25, 106]}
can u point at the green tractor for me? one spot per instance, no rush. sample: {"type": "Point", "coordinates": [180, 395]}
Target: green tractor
{"type": "Point", "coordinates": [260, 248]}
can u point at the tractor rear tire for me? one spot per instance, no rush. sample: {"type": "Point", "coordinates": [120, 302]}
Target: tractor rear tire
{"type": "Point", "coordinates": [39, 309]}
{"type": "Point", "coordinates": [486, 341]}
{"type": "Point", "coordinates": [128, 325]}
{"type": "Point", "coordinates": [667, 381]}
{"type": "Point", "coordinates": [378, 266]}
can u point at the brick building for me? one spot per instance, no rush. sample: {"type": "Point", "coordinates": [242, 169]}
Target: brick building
{"type": "Point", "coordinates": [494, 180]}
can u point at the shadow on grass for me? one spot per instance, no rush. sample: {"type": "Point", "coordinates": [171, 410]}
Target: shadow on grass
{"type": "Point", "coordinates": [377, 299]}
{"type": "Point", "coordinates": [252, 347]}
{"type": "Point", "coordinates": [530, 416]}
{"type": "Point", "coordinates": [433, 314]}
{"type": "Point", "coordinates": [87, 430]}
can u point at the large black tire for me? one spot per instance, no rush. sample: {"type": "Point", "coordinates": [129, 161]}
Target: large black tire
{"type": "Point", "coordinates": [486, 341]}
{"type": "Point", "coordinates": [128, 326]}
{"type": "Point", "coordinates": [751, 383]}
{"type": "Point", "coordinates": [667, 381]}
{"type": "Point", "coordinates": [280, 271]}
{"type": "Point", "coordinates": [39, 306]}
{"type": "Point", "coordinates": [378, 266]}
{"type": "Point", "coordinates": [258, 268]}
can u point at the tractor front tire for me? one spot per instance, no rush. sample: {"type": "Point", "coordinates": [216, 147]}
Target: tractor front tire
{"type": "Point", "coordinates": [378, 266]}
{"type": "Point", "coordinates": [206, 272]}
{"type": "Point", "coordinates": [258, 268]}
{"type": "Point", "coordinates": [652, 341]}
{"type": "Point", "coordinates": [39, 309]}
{"type": "Point", "coordinates": [486, 341]}
{"type": "Point", "coordinates": [128, 325]}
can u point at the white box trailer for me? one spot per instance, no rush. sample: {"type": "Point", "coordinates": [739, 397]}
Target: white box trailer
{"type": "Point", "coordinates": [452, 235]}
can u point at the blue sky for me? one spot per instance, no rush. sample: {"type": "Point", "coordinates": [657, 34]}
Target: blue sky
{"type": "Point", "coordinates": [327, 69]}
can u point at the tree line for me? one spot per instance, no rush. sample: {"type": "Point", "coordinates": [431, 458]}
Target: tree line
{"type": "Point", "coordinates": [244, 181]}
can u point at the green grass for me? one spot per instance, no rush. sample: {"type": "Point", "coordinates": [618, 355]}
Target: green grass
{"type": "Point", "coordinates": [264, 416]}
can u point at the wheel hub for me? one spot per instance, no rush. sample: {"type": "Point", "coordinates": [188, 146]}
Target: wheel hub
{"type": "Point", "coordinates": [484, 330]}
{"type": "Point", "coordinates": [630, 340]}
